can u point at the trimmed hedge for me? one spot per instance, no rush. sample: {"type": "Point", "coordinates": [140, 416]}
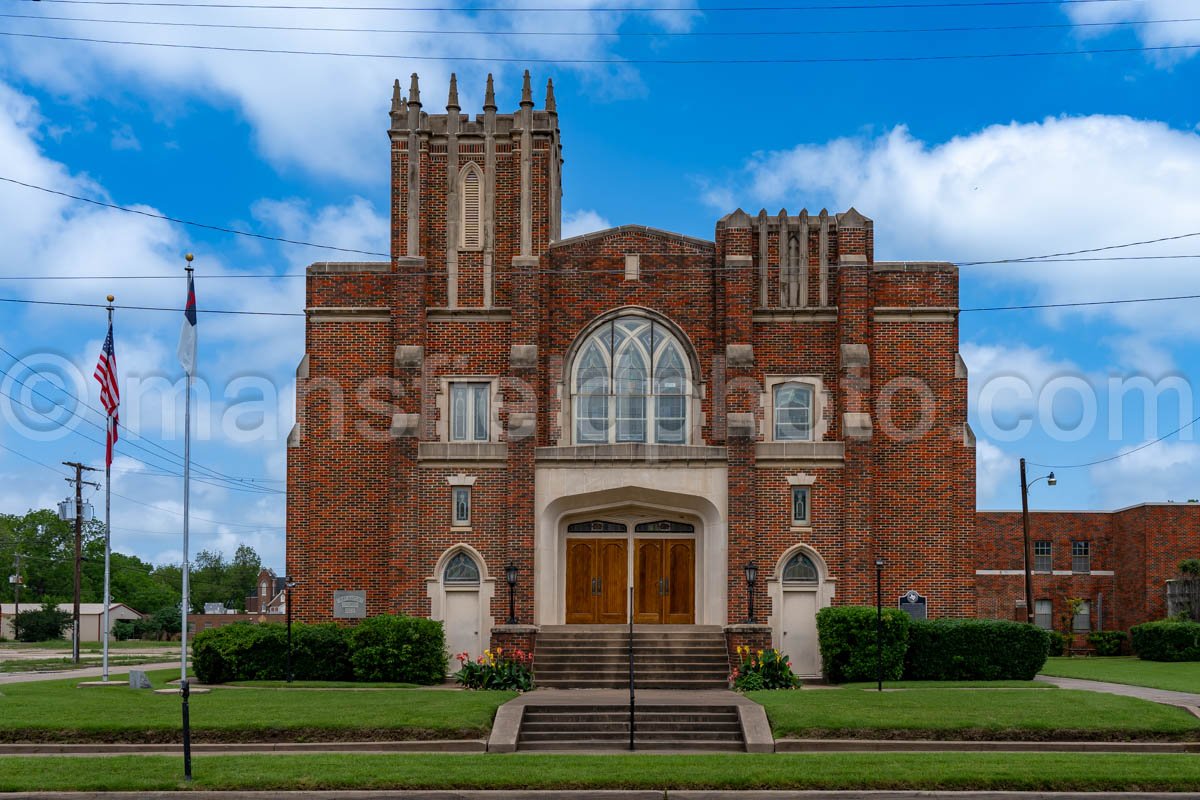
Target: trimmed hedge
{"type": "Point", "coordinates": [1107, 643]}
{"type": "Point", "coordinates": [974, 650]}
{"type": "Point", "coordinates": [1166, 640]}
{"type": "Point", "coordinates": [848, 643]}
{"type": "Point", "coordinates": [401, 649]}
{"type": "Point", "coordinates": [384, 648]}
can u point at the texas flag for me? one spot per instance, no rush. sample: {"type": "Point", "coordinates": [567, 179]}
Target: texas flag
{"type": "Point", "coordinates": [187, 334]}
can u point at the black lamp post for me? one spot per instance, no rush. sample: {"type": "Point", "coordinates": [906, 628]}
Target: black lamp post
{"type": "Point", "coordinates": [1050, 481]}
{"type": "Point", "coordinates": [879, 623]}
{"type": "Point", "coordinates": [510, 575]}
{"type": "Point", "coordinates": [751, 578]}
{"type": "Point", "coordinates": [288, 583]}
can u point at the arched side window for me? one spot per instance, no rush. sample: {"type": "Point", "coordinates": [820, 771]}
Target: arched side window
{"type": "Point", "coordinates": [461, 570]}
{"type": "Point", "coordinates": [800, 569]}
{"type": "Point", "coordinates": [631, 383]}
{"type": "Point", "coordinates": [792, 404]}
{"type": "Point", "coordinates": [470, 187]}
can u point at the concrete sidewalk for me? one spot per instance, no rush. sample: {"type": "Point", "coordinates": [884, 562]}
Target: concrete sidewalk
{"type": "Point", "coordinates": [1164, 696]}
{"type": "Point", "coordinates": [619, 794]}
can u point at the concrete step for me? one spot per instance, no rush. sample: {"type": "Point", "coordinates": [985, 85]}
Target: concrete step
{"type": "Point", "coordinates": [639, 735]}
{"type": "Point", "coordinates": [564, 728]}
{"type": "Point", "coordinates": [674, 683]}
{"type": "Point", "coordinates": [639, 744]}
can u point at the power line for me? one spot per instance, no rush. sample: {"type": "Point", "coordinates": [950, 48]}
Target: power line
{"type": "Point", "coordinates": [151, 505]}
{"type": "Point", "coordinates": [1159, 240]}
{"type": "Point", "coordinates": [205, 471]}
{"type": "Point", "coordinates": [1082, 303]}
{"type": "Point", "coordinates": [598, 9]}
{"type": "Point", "coordinates": [722, 34]}
{"type": "Point", "coordinates": [191, 223]}
{"type": "Point", "coordinates": [1120, 455]}
{"type": "Point", "coordinates": [598, 61]}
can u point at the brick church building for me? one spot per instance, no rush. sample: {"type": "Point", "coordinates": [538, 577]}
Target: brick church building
{"type": "Point", "coordinates": [628, 421]}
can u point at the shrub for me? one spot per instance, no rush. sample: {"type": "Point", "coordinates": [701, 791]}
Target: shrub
{"type": "Point", "coordinates": [974, 650]}
{"type": "Point", "coordinates": [848, 644]}
{"type": "Point", "coordinates": [493, 670]}
{"type": "Point", "coordinates": [42, 624]}
{"type": "Point", "coordinates": [397, 648]}
{"type": "Point", "coordinates": [765, 669]}
{"type": "Point", "coordinates": [1107, 643]}
{"type": "Point", "coordinates": [1166, 641]}
{"type": "Point", "coordinates": [1056, 643]}
{"type": "Point", "coordinates": [321, 652]}
{"type": "Point", "coordinates": [123, 629]}
{"type": "Point", "coordinates": [240, 652]}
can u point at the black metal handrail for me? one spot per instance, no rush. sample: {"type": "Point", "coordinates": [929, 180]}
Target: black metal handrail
{"type": "Point", "coordinates": [631, 690]}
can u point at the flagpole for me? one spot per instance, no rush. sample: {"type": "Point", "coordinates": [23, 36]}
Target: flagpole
{"type": "Point", "coordinates": [107, 524]}
{"type": "Point", "coordinates": [187, 478]}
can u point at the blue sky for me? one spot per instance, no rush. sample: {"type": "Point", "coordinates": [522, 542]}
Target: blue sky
{"type": "Point", "coordinates": [968, 159]}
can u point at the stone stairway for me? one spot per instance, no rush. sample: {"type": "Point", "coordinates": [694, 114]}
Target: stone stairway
{"type": "Point", "coordinates": [597, 657]}
{"type": "Point", "coordinates": [606, 727]}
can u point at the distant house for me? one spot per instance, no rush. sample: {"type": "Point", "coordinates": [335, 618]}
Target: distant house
{"type": "Point", "coordinates": [271, 594]}
{"type": "Point", "coordinates": [91, 618]}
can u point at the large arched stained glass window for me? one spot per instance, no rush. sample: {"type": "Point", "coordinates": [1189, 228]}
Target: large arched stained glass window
{"type": "Point", "coordinates": [631, 383]}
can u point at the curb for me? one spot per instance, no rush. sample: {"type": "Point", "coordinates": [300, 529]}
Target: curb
{"type": "Point", "coordinates": [938, 746]}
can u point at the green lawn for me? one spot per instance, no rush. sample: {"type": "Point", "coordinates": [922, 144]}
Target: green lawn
{"type": "Point", "coordinates": [89, 647]}
{"type": "Point", "coordinates": [946, 771]}
{"type": "Point", "coordinates": [952, 685]}
{"type": "Point", "coordinates": [1183, 676]}
{"type": "Point", "coordinates": [322, 685]}
{"type": "Point", "coordinates": [58, 711]}
{"type": "Point", "coordinates": [1031, 714]}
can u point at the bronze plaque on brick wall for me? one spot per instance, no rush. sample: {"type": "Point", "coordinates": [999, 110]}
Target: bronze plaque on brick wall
{"type": "Point", "coordinates": [349, 605]}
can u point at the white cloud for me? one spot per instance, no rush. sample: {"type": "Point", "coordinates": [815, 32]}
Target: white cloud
{"type": "Point", "coordinates": [325, 113]}
{"type": "Point", "coordinates": [1186, 31]}
{"type": "Point", "coordinates": [1161, 472]}
{"type": "Point", "coordinates": [577, 223]}
{"type": "Point", "coordinates": [123, 138]}
{"type": "Point", "coordinates": [1011, 191]}
{"type": "Point", "coordinates": [993, 468]}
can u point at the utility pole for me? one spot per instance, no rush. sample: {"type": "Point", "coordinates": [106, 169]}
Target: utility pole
{"type": "Point", "coordinates": [15, 580]}
{"type": "Point", "coordinates": [79, 482]}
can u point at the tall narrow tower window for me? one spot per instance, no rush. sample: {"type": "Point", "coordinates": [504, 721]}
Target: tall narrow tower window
{"type": "Point", "coordinates": [471, 191]}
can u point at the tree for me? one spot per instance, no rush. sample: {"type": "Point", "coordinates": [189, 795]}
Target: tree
{"type": "Point", "coordinates": [42, 624]}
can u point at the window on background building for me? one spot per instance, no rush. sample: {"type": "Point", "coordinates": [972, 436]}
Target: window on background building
{"type": "Point", "coordinates": [469, 412]}
{"type": "Point", "coordinates": [631, 383]}
{"type": "Point", "coordinates": [1083, 618]}
{"type": "Point", "coordinates": [1041, 557]}
{"type": "Point", "coordinates": [1043, 614]}
{"type": "Point", "coordinates": [793, 412]}
{"type": "Point", "coordinates": [1081, 556]}
{"type": "Point", "coordinates": [800, 512]}
{"type": "Point", "coordinates": [462, 570]}
{"type": "Point", "coordinates": [461, 501]}
{"type": "Point", "coordinates": [800, 569]}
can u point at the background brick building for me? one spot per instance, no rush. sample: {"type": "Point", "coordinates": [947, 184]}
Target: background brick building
{"type": "Point", "coordinates": [1118, 561]}
{"type": "Point", "coordinates": [632, 410]}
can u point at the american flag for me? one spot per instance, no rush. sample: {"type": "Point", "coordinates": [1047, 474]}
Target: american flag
{"type": "Point", "coordinates": [110, 394]}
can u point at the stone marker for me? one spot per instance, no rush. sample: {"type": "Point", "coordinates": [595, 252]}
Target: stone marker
{"type": "Point", "coordinates": [138, 680]}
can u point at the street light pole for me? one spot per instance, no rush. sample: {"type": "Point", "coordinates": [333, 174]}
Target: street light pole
{"type": "Point", "coordinates": [288, 583]}
{"type": "Point", "coordinates": [879, 623]}
{"type": "Point", "coordinates": [1025, 484]}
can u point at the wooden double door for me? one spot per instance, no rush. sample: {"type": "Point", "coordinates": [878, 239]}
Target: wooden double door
{"type": "Point", "coordinates": [664, 581]}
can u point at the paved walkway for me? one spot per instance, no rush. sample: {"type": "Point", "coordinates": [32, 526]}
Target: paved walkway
{"type": "Point", "coordinates": [656, 794]}
{"type": "Point", "coordinates": [118, 674]}
{"type": "Point", "coordinates": [1164, 696]}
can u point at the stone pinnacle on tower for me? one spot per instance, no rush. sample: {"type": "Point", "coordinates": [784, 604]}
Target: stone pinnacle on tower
{"type": "Point", "coordinates": [414, 92]}
{"type": "Point", "coordinates": [526, 91]}
{"type": "Point", "coordinates": [397, 98]}
{"type": "Point", "coordinates": [489, 95]}
{"type": "Point", "coordinates": [452, 100]}
{"type": "Point", "coordinates": [551, 106]}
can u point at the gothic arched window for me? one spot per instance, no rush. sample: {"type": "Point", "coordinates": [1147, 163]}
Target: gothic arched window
{"type": "Point", "coordinates": [471, 199]}
{"type": "Point", "coordinates": [461, 569]}
{"type": "Point", "coordinates": [800, 569]}
{"type": "Point", "coordinates": [631, 382]}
